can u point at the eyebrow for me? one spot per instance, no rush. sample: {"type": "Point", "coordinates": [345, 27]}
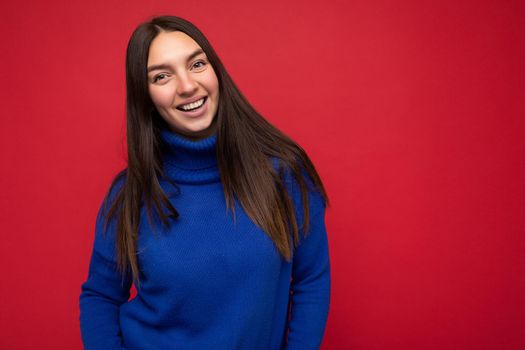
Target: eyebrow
{"type": "Point", "coordinates": [167, 66]}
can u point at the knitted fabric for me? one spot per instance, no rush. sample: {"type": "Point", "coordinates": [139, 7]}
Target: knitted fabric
{"type": "Point", "coordinates": [207, 282]}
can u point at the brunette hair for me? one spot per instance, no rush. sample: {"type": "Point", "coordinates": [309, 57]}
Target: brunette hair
{"type": "Point", "coordinates": [245, 144]}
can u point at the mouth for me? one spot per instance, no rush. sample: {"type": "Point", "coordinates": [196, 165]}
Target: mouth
{"type": "Point", "coordinates": [193, 106]}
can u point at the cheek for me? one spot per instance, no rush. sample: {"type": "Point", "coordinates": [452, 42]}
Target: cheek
{"type": "Point", "coordinates": [216, 87]}
{"type": "Point", "coordinates": [213, 83]}
{"type": "Point", "coordinates": [161, 97]}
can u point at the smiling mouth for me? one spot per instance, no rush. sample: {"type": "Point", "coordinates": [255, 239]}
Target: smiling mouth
{"type": "Point", "coordinates": [193, 106]}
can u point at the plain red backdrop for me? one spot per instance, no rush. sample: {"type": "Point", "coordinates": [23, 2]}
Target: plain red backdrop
{"type": "Point", "coordinates": [412, 111]}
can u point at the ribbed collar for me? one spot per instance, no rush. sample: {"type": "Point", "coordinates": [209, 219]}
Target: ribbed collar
{"type": "Point", "coordinates": [188, 161]}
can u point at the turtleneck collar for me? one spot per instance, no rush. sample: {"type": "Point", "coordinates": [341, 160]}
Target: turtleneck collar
{"type": "Point", "coordinates": [189, 161]}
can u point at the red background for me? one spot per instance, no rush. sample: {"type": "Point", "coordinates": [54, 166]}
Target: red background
{"type": "Point", "coordinates": [412, 111]}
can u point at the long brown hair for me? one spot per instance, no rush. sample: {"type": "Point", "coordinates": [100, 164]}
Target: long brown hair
{"type": "Point", "coordinates": [245, 144]}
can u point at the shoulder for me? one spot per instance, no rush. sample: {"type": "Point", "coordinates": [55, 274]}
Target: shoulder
{"type": "Point", "coordinates": [300, 186]}
{"type": "Point", "coordinates": [117, 184]}
{"type": "Point", "coordinates": [114, 189]}
{"type": "Point", "coordinates": [105, 224]}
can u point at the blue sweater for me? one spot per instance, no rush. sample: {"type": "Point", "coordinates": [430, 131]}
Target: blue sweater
{"type": "Point", "coordinates": [207, 282]}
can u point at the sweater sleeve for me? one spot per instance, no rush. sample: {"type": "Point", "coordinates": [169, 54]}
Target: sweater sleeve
{"type": "Point", "coordinates": [310, 279]}
{"type": "Point", "coordinates": [103, 292]}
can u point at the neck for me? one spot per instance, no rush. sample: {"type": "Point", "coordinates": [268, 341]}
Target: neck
{"type": "Point", "coordinates": [188, 160]}
{"type": "Point", "coordinates": [197, 135]}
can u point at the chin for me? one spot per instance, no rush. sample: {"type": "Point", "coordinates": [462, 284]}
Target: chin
{"type": "Point", "coordinates": [194, 130]}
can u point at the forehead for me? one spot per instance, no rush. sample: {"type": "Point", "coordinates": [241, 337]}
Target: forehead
{"type": "Point", "coordinates": [171, 46]}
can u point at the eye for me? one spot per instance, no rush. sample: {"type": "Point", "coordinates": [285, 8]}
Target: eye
{"type": "Point", "coordinates": [158, 77]}
{"type": "Point", "coordinates": [199, 64]}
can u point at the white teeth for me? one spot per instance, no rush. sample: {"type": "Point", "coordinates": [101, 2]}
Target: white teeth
{"type": "Point", "coordinates": [193, 104]}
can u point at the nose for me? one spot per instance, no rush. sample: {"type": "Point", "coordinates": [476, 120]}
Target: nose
{"type": "Point", "coordinates": [186, 85]}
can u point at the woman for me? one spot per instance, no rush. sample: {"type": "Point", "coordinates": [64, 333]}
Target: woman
{"type": "Point", "coordinates": [218, 218]}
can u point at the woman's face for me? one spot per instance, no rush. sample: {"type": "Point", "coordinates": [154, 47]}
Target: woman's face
{"type": "Point", "coordinates": [182, 84]}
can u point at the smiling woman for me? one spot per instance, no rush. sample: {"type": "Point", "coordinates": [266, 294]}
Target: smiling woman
{"type": "Point", "coordinates": [218, 218]}
{"type": "Point", "coordinates": [182, 84]}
